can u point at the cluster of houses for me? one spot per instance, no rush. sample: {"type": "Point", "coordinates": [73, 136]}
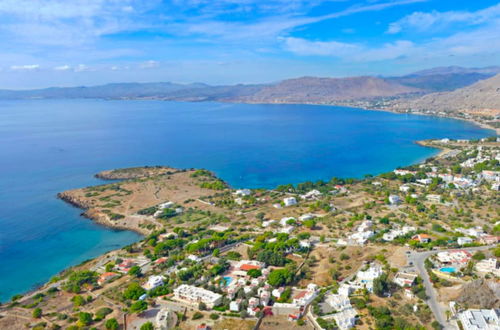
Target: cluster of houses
{"type": "Point", "coordinates": [360, 236]}
{"type": "Point", "coordinates": [397, 232]}
{"type": "Point", "coordinates": [288, 224]}
{"type": "Point", "coordinates": [236, 279]}
{"type": "Point", "coordinates": [479, 236]}
{"type": "Point", "coordinates": [167, 205]}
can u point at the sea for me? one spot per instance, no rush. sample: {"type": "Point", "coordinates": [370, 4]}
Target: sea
{"type": "Point", "coordinates": [48, 146]}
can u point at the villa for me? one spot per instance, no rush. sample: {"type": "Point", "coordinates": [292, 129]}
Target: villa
{"type": "Point", "coordinates": [405, 279]}
{"type": "Point", "coordinates": [290, 201]}
{"type": "Point", "coordinates": [464, 240]}
{"type": "Point", "coordinates": [455, 257]}
{"type": "Point", "coordinates": [475, 319]}
{"type": "Point", "coordinates": [153, 282]}
{"type": "Point", "coordinates": [422, 238]}
{"type": "Point", "coordinates": [491, 265]}
{"type": "Point", "coordinates": [192, 294]}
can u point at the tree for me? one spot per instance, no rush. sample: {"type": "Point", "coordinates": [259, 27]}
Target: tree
{"type": "Point", "coordinates": [138, 307]}
{"type": "Point", "coordinates": [479, 255]}
{"type": "Point", "coordinates": [135, 271]}
{"type": "Point", "coordinates": [254, 273]}
{"type": "Point", "coordinates": [311, 223]}
{"type": "Point", "coordinates": [37, 313]}
{"type": "Point", "coordinates": [84, 319]}
{"type": "Point", "coordinates": [134, 291]}
{"type": "Point", "coordinates": [112, 324]}
{"type": "Point", "coordinates": [78, 301]}
{"type": "Point", "coordinates": [380, 285]}
{"type": "Point", "coordinates": [147, 326]}
{"type": "Point", "coordinates": [78, 278]}
{"type": "Point", "coordinates": [197, 316]}
{"type": "Point", "coordinates": [280, 277]}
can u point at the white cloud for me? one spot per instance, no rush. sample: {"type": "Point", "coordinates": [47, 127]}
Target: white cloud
{"type": "Point", "coordinates": [82, 68]}
{"type": "Point", "coordinates": [149, 64]}
{"type": "Point", "coordinates": [320, 48]}
{"type": "Point", "coordinates": [28, 67]}
{"type": "Point", "coordinates": [62, 68]}
{"type": "Point", "coordinates": [432, 21]}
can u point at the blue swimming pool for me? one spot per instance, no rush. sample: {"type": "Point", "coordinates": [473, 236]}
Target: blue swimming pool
{"type": "Point", "coordinates": [227, 280]}
{"type": "Point", "coordinates": [448, 270]}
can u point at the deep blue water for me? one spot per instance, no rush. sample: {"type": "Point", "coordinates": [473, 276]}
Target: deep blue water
{"type": "Point", "coordinates": [47, 146]}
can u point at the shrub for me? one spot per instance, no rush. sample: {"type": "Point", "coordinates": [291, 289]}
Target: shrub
{"type": "Point", "coordinates": [197, 316]}
{"type": "Point", "coordinates": [37, 313]}
{"type": "Point", "coordinates": [112, 324]}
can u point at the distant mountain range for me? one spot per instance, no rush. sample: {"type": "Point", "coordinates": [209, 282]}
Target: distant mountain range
{"type": "Point", "coordinates": [482, 98]}
{"type": "Point", "coordinates": [299, 90]}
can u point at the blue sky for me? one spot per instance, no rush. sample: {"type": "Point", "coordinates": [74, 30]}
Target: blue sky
{"type": "Point", "coordinates": [89, 42]}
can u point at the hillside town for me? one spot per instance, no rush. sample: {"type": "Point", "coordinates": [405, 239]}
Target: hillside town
{"type": "Point", "coordinates": [415, 248]}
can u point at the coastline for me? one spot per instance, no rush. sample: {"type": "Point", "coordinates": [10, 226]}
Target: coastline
{"type": "Point", "coordinates": [109, 224]}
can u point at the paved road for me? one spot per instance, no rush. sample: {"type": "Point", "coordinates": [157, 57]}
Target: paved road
{"type": "Point", "coordinates": [418, 259]}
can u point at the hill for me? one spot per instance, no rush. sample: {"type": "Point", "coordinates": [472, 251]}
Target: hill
{"type": "Point", "coordinates": [328, 90]}
{"type": "Point", "coordinates": [482, 98]}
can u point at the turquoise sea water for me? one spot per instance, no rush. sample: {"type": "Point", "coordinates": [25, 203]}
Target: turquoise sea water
{"type": "Point", "coordinates": [47, 146]}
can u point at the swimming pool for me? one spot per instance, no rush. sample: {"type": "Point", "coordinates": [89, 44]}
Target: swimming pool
{"type": "Point", "coordinates": [227, 280]}
{"type": "Point", "coordinates": [448, 270]}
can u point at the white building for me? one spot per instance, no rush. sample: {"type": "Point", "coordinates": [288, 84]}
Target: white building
{"type": "Point", "coordinates": [433, 198]}
{"type": "Point", "coordinates": [243, 192]}
{"type": "Point", "coordinates": [475, 319]}
{"type": "Point", "coordinates": [490, 265]}
{"type": "Point", "coordinates": [405, 279]}
{"type": "Point", "coordinates": [365, 277]}
{"type": "Point", "coordinates": [307, 216]}
{"type": "Point", "coordinates": [235, 305]}
{"type": "Point", "coordinates": [289, 201]}
{"type": "Point", "coordinates": [195, 295]}
{"type": "Point", "coordinates": [404, 188]}
{"type": "Point", "coordinates": [305, 297]}
{"type": "Point", "coordinates": [464, 240]}
{"type": "Point", "coordinates": [153, 282]}
{"type": "Point", "coordinates": [163, 320]}
{"type": "Point", "coordinates": [345, 319]}
{"type": "Point", "coordinates": [394, 233]}
{"type": "Point", "coordinates": [313, 194]}
{"type": "Point", "coordinates": [267, 223]}
{"type": "Point", "coordinates": [284, 221]}
{"type": "Point", "coordinates": [394, 199]}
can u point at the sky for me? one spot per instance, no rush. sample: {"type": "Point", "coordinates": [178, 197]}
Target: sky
{"type": "Point", "coordinates": [90, 42]}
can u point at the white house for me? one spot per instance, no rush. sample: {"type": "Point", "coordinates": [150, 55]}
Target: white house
{"type": "Point", "coordinates": [490, 265]}
{"type": "Point", "coordinates": [289, 201]}
{"type": "Point", "coordinates": [464, 240]}
{"type": "Point", "coordinates": [243, 192]}
{"type": "Point", "coordinates": [405, 279]}
{"type": "Point", "coordinates": [475, 319]}
{"type": "Point", "coordinates": [194, 295]}
{"type": "Point", "coordinates": [234, 306]}
{"type": "Point", "coordinates": [394, 199]}
{"type": "Point", "coordinates": [153, 282]}
{"type": "Point", "coordinates": [404, 188]}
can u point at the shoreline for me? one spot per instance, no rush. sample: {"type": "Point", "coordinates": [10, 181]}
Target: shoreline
{"type": "Point", "coordinates": [108, 224]}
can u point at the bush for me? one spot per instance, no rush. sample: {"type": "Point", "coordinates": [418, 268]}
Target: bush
{"type": "Point", "coordinates": [102, 312]}
{"type": "Point", "coordinates": [197, 316]}
{"type": "Point", "coordinates": [135, 271]}
{"type": "Point", "coordinates": [84, 319]}
{"type": "Point", "coordinates": [134, 291]}
{"type": "Point", "coordinates": [147, 326]}
{"type": "Point", "coordinates": [37, 313]}
{"type": "Point", "coordinates": [214, 316]}
{"type": "Point", "coordinates": [254, 273]}
{"type": "Point", "coordinates": [78, 301]}
{"type": "Point", "coordinates": [138, 307]}
{"type": "Point", "coordinates": [112, 324]}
